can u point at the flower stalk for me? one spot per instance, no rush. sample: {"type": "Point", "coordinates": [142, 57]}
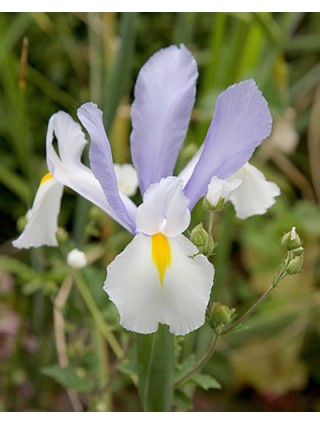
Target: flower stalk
{"type": "Point", "coordinates": [219, 316]}
{"type": "Point", "coordinates": [204, 359]}
{"type": "Point", "coordinates": [97, 316]}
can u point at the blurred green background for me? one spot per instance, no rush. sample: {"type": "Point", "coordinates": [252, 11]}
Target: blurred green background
{"type": "Point", "coordinates": [54, 61]}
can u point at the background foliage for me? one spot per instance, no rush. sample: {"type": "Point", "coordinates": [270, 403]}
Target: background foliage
{"type": "Point", "coordinates": [53, 61]}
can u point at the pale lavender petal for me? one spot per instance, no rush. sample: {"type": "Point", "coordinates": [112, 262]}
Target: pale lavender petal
{"type": "Point", "coordinates": [164, 98]}
{"type": "Point", "coordinates": [241, 121]}
{"type": "Point", "coordinates": [101, 160]}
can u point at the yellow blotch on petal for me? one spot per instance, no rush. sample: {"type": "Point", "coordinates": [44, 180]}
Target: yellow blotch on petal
{"type": "Point", "coordinates": [161, 254]}
{"type": "Point", "coordinates": [45, 178]}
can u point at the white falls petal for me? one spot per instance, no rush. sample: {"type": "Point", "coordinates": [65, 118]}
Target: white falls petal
{"type": "Point", "coordinates": [134, 285]}
{"type": "Point", "coordinates": [255, 194]}
{"type": "Point", "coordinates": [42, 219]}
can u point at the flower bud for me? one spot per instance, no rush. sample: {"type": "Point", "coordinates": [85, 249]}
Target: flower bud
{"type": "Point", "coordinates": [291, 240]}
{"type": "Point", "coordinates": [21, 223]}
{"type": "Point", "coordinates": [295, 265]}
{"type": "Point", "coordinates": [209, 246]}
{"type": "Point", "coordinates": [77, 259]}
{"type": "Point", "coordinates": [127, 178]}
{"type": "Point", "coordinates": [297, 252]}
{"type": "Point", "coordinates": [219, 192]}
{"type": "Point", "coordinates": [210, 207]}
{"type": "Point", "coordinates": [202, 240]}
{"type": "Point", "coordinates": [199, 236]}
{"type": "Point", "coordinates": [62, 235]}
{"type": "Point", "coordinates": [220, 315]}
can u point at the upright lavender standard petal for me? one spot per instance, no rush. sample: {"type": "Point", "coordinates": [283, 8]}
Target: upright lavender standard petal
{"type": "Point", "coordinates": [241, 121]}
{"type": "Point", "coordinates": [101, 160]}
{"type": "Point", "coordinates": [164, 98]}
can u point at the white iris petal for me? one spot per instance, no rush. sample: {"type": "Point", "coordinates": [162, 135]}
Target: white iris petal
{"type": "Point", "coordinates": [255, 194]}
{"type": "Point", "coordinates": [42, 218]}
{"type": "Point", "coordinates": [164, 209]}
{"type": "Point", "coordinates": [133, 285]}
{"type": "Point", "coordinates": [157, 279]}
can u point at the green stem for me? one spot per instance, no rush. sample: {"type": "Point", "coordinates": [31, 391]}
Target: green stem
{"type": "Point", "coordinates": [103, 371]}
{"type": "Point", "coordinates": [97, 316]}
{"type": "Point", "coordinates": [251, 310]}
{"type": "Point", "coordinates": [203, 360]}
{"type": "Point", "coordinates": [282, 272]}
{"type": "Point", "coordinates": [211, 222]}
{"type": "Point", "coordinates": [155, 367]}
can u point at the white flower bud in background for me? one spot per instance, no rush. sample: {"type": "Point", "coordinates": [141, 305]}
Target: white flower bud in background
{"type": "Point", "coordinates": [77, 259]}
{"type": "Point", "coordinates": [127, 178]}
{"type": "Point", "coordinates": [284, 137]}
{"type": "Point", "coordinates": [219, 192]}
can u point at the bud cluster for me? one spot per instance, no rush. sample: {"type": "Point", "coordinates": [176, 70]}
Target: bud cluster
{"type": "Point", "coordinates": [292, 243]}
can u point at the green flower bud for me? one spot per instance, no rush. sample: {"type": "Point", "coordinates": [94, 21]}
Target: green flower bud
{"type": "Point", "coordinates": [62, 235]}
{"type": "Point", "coordinates": [220, 315]}
{"type": "Point", "coordinates": [21, 223]}
{"type": "Point", "coordinates": [297, 252]}
{"type": "Point", "coordinates": [202, 240]}
{"type": "Point", "coordinates": [295, 265]}
{"type": "Point", "coordinates": [291, 240]}
{"type": "Point", "coordinates": [208, 206]}
{"type": "Point", "coordinates": [208, 247]}
{"type": "Point", "coordinates": [199, 236]}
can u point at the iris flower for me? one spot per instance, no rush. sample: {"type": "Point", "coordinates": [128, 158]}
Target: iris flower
{"type": "Point", "coordinates": [157, 278]}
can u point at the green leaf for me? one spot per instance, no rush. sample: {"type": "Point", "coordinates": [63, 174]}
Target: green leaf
{"type": "Point", "coordinates": [118, 79]}
{"type": "Point", "coordinates": [18, 268]}
{"type": "Point", "coordinates": [128, 368]}
{"type": "Point", "coordinates": [204, 381]}
{"type": "Point", "coordinates": [155, 358]}
{"type": "Point", "coordinates": [182, 400]}
{"type": "Point", "coordinates": [68, 377]}
{"type": "Point", "coordinates": [16, 184]}
{"type": "Point", "coordinates": [32, 286]}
